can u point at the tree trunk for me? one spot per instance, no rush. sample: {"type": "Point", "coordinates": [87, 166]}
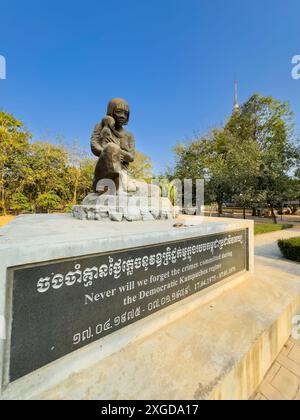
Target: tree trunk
{"type": "Point", "coordinates": [274, 215]}
{"type": "Point", "coordinates": [220, 209]}
{"type": "Point", "coordinates": [3, 204]}
{"type": "Point", "coordinates": [293, 209]}
{"type": "Point", "coordinates": [75, 191]}
{"type": "Point", "coordinates": [244, 213]}
{"type": "Point", "coordinates": [75, 195]}
{"type": "Point", "coordinates": [254, 212]}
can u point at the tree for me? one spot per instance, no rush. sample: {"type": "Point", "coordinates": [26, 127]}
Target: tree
{"type": "Point", "coordinates": [291, 194]}
{"type": "Point", "coordinates": [248, 161]}
{"type": "Point", "coordinates": [219, 177]}
{"type": "Point", "coordinates": [189, 165]}
{"type": "Point", "coordinates": [141, 168]}
{"type": "Point", "coordinates": [190, 159]}
{"type": "Point", "coordinates": [19, 203]}
{"type": "Point", "coordinates": [14, 144]}
{"type": "Point", "coordinates": [268, 123]}
{"type": "Point", "coordinates": [48, 201]}
{"type": "Point", "coordinates": [80, 178]}
{"type": "Point", "coordinates": [46, 171]}
{"type": "Point", "coordinates": [227, 166]}
{"type": "Point", "coordinates": [243, 162]}
{"type": "Point", "coordinates": [80, 172]}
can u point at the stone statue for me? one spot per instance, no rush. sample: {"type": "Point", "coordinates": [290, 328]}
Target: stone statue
{"type": "Point", "coordinates": [114, 146]}
{"type": "Point", "coordinates": [129, 199]}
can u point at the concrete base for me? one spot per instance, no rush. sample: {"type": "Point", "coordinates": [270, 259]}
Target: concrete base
{"type": "Point", "coordinates": [221, 350]}
{"type": "Point", "coordinates": [142, 360]}
{"type": "Point", "coordinates": [125, 207]}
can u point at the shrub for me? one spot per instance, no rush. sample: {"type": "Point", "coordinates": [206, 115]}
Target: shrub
{"type": "Point", "coordinates": [69, 207]}
{"type": "Point", "coordinates": [19, 203]}
{"type": "Point", "coordinates": [48, 201]}
{"type": "Point", "coordinates": [290, 248]}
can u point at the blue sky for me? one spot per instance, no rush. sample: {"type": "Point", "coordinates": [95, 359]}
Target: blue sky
{"type": "Point", "coordinates": [175, 61]}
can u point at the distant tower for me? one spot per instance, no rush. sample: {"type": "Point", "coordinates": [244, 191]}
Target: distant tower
{"type": "Point", "coordinates": [236, 106]}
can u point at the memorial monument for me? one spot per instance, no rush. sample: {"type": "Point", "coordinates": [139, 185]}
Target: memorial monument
{"type": "Point", "coordinates": [116, 196]}
{"type": "Point", "coordinates": [74, 292]}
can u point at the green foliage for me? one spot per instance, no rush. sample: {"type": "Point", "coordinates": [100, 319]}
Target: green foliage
{"type": "Point", "coordinates": [80, 172]}
{"type": "Point", "coordinates": [189, 164]}
{"type": "Point", "coordinates": [47, 169]}
{"type": "Point", "coordinates": [261, 228]}
{"type": "Point", "coordinates": [168, 189]}
{"type": "Point", "coordinates": [69, 208]}
{"type": "Point", "coordinates": [141, 168]}
{"type": "Point", "coordinates": [79, 179]}
{"type": "Point", "coordinates": [268, 123]}
{"type": "Point", "coordinates": [48, 201]}
{"type": "Point", "coordinates": [14, 144]}
{"type": "Point", "coordinates": [249, 161]}
{"type": "Point", "coordinates": [41, 176]}
{"type": "Point", "coordinates": [19, 203]}
{"type": "Point", "coordinates": [290, 248]}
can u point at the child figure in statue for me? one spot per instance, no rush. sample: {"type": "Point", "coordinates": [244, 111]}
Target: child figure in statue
{"type": "Point", "coordinates": [109, 132]}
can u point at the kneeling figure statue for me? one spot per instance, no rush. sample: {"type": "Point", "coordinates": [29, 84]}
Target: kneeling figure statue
{"type": "Point", "coordinates": [115, 148]}
{"type": "Point", "coordinates": [130, 199]}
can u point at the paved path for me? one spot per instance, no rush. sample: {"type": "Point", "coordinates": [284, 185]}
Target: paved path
{"type": "Point", "coordinates": [283, 379]}
{"type": "Point", "coordinates": [266, 245]}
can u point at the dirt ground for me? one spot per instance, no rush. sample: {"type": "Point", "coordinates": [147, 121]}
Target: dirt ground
{"type": "Point", "coordinates": [5, 219]}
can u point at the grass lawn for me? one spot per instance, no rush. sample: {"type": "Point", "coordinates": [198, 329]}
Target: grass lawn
{"type": "Point", "coordinates": [5, 219]}
{"type": "Point", "coordinates": [261, 228]}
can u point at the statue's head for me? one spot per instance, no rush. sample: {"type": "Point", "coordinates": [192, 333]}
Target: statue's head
{"type": "Point", "coordinates": [119, 110]}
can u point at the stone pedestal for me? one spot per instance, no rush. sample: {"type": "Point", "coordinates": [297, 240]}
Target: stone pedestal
{"type": "Point", "coordinates": [74, 293]}
{"type": "Point", "coordinates": [124, 207]}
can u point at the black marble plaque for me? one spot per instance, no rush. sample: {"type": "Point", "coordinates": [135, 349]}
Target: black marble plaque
{"type": "Point", "coordinates": [59, 307]}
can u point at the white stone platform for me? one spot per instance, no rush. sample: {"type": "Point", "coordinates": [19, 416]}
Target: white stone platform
{"type": "Point", "coordinates": [124, 207]}
{"type": "Point", "coordinates": [141, 360]}
{"type": "Point", "coordinates": [221, 350]}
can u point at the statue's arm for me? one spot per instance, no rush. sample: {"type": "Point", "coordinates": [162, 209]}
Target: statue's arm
{"type": "Point", "coordinates": [96, 140]}
{"type": "Point", "coordinates": [128, 155]}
